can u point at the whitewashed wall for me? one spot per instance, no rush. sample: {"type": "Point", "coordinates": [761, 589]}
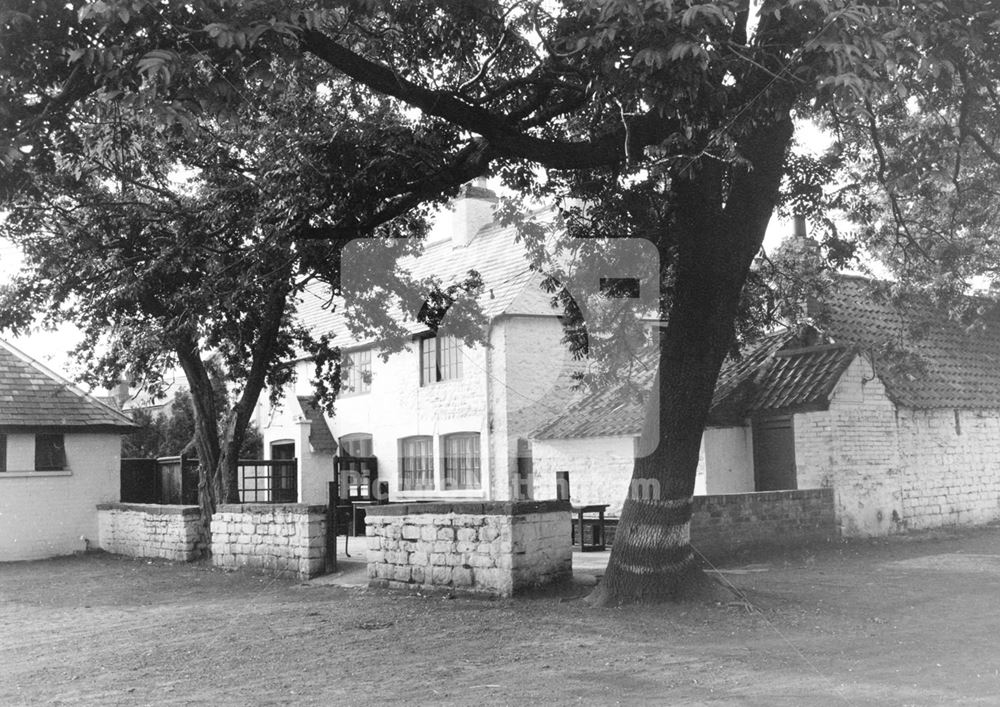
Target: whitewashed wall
{"type": "Point", "coordinates": [45, 514]}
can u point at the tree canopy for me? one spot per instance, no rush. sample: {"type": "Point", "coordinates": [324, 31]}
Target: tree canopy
{"type": "Point", "coordinates": [669, 120]}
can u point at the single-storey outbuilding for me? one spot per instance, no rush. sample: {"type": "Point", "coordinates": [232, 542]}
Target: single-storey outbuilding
{"type": "Point", "coordinates": [60, 452]}
{"type": "Point", "coordinates": [896, 406]}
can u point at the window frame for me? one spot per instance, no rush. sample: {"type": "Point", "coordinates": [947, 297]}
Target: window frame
{"type": "Point", "coordinates": [358, 378]}
{"type": "Point", "coordinates": [57, 455]}
{"type": "Point", "coordinates": [452, 472]}
{"type": "Point", "coordinates": [426, 470]}
{"type": "Point", "coordinates": [344, 441]}
{"type": "Point", "coordinates": [440, 359]}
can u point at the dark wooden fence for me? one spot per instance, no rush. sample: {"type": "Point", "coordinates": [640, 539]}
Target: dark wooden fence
{"type": "Point", "coordinates": [167, 480]}
{"type": "Point", "coordinates": [140, 481]}
{"type": "Point", "coordinates": [174, 481]}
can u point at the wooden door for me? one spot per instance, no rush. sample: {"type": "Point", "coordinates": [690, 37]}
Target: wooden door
{"type": "Point", "coordinates": [774, 454]}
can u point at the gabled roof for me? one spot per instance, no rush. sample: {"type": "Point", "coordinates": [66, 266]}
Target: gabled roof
{"type": "Point", "coordinates": [320, 436]}
{"type": "Point", "coordinates": [949, 365]}
{"type": "Point", "coordinates": [510, 286]}
{"type": "Point", "coordinates": [32, 396]}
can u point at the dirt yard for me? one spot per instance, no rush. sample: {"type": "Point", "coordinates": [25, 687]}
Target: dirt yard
{"type": "Point", "coordinates": [907, 621]}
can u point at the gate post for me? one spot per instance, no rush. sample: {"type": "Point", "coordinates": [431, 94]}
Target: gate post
{"type": "Point", "coordinates": [331, 527]}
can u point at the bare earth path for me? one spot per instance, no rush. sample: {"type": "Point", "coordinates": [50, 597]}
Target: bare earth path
{"type": "Point", "coordinates": [907, 621]}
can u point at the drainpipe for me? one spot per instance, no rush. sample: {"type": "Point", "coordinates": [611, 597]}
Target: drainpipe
{"type": "Point", "coordinates": [490, 444]}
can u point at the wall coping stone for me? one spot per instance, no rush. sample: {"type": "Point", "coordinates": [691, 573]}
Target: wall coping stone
{"type": "Point", "coordinates": [484, 508]}
{"type": "Point", "coordinates": [155, 509]}
{"type": "Point", "coordinates": [269, 508]}
{"type": "Point", "coordinates": [764, 495]}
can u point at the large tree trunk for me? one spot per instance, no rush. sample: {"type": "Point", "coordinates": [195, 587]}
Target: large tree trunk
{"type": "Point", "coordinates": [719, 228]}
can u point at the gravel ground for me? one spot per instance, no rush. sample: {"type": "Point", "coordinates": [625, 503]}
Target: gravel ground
{"type": "Point", "coordinates": [904, 621]}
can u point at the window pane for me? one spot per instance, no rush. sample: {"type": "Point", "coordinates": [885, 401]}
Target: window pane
{"type": "Point", "coordinates": [356, 377]}
{"type": "Point", "coordinates": [50, 453]}
{"type": "Point", "coordinates": [416, 464]}
{"type": "Point", "coordinates": [356, 445]}
{"type": "Point", "coordinates": [3, 452]}
{"type": "Point", "coordinates": [428, 354]}
{"type": "Point", "coordinates": [461, 461]}
{"type": "Point", "coordinates": [451, 361]}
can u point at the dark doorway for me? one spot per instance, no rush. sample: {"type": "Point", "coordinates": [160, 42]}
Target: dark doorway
{"type": "Point", "coordinates": [283, 450]}
{"type": "Point", "coordinates": [774, 454]}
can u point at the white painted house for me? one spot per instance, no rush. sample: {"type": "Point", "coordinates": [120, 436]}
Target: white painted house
{"type": "Point", "coordinates": [59, 457]}
{"type": "Point", "coordinates": [897, 408]}
{"type": "Point", "coordinates": [443, 419]}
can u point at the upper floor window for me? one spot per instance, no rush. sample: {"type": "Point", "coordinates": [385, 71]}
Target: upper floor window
{"type": "Point", "coordinates": [440, 359]}
{"type": "Point", "coordinates": [461, 461]}
{"type": "Point", "coordinates": [416, 464]}
{"type": "Point", "coordinates": [356, 372]}
{"type": "Point", "coordinates": [50, 452]}
{"type": "Point", "coordinates": [356, 445]}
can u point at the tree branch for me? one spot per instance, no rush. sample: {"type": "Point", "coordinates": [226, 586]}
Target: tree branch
{"type": "Point", "coordinates": [502, 134]}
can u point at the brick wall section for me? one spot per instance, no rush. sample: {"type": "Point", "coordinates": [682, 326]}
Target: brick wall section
{"type": "Point", "coordinates": [492, 548]}
{"type": "Point", "coordinates": [723, 524]}
{"type": "Point", "coordinates": [854, 447]}
{"type": "Point", "coordinates": [150, 530]}
{"type": "Point", "coordinates": [278, 538]}
{"type": "Point", "coordinates": [951, 468]}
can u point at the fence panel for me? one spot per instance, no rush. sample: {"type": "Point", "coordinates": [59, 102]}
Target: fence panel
{"type": "Point", "coordinates": [140, 481]}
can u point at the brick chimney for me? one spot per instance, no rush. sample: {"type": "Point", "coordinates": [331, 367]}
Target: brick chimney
{"type": "Point", "coordinates": [473, 209]}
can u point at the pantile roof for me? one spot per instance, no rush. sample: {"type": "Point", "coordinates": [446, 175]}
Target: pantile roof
{"type": "Point", "coordinates": [944, 365]}
{"type": "Point", "coordinates": [32, 396]}
{"type": "Point", "coordinates": [926, 359]}
{"type": "Point", "coordinates": [606, 412]}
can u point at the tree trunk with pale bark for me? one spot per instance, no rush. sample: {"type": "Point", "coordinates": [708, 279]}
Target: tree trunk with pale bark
{"type": "Point", "coordinates": [720, 225]}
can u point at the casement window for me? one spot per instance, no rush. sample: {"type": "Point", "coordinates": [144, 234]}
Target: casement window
{"type": "Point", "coordinates": [416, 464]}
{"type": "Point", "coordinates": [3, 452]}
{"type": "Point", "coordinates": [50, 452]}
{"type": "Point", "coordinates": [461, 461]}
{"type": "Point", "coordinates": [440, 359]}
{"type": "Point", "coordinates": [356, 373]}
{"type": "Point", "coordinates": [356, 445]}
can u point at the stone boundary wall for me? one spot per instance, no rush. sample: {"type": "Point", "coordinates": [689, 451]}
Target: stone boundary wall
{"type": "Point", "coordinates": [726, 523]}
{"type": "Point", "coordinates": [277, 537]}
{"type": "Point", "coordinates": [496, 548]}
{"type": "Point", "coordinates": [151, 530]}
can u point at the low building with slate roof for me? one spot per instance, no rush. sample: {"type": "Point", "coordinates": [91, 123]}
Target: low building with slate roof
{"type": "Point", "coordinates": [60, 454]}
{"type": "Point", "coordinates": [894, 405]}
{"type": "Point", "coordinates": [440, 419]}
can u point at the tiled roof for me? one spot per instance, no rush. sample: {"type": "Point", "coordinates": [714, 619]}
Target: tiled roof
{"type": "Point", "coordinates": [950, 366]}
{"type": "Point", "coordinates": [320, 436]}
{"type": "Point", "coordinates": [611, 411]}
{"type": "Point", "coordinates": [770, 376]}
{"type": "Point", "coordinates": [33, 396]}
{"type": "Point", "coordinates": [509, 285]}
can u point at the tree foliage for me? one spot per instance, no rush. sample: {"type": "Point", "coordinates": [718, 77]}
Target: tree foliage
{"type": "Point", "coordinates": [669, 120]}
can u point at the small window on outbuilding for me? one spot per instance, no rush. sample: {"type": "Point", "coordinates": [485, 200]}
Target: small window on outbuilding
{"type": "Point", "coordinates": [3, 452]}
{"type": "Point", "coordinates": [50, 452]}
